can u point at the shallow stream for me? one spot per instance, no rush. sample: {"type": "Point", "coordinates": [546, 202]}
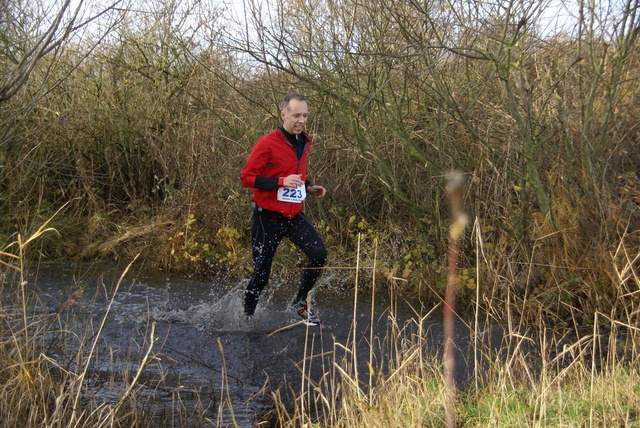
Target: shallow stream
{"type": "Point", "coordinates": [205, 347]}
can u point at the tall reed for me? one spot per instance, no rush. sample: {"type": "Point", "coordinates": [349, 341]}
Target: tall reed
{"type": "Point", "coordinates": [46, 362]}
{"type": "Point", "coordinates": [519, 372]}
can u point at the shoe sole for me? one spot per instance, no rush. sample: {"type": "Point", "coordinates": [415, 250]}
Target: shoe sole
{"type": "Point", "coordinates": [306, 320]}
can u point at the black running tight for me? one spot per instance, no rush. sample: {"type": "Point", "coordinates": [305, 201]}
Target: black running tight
{"type": "Point", "coordinates": [267, 230]}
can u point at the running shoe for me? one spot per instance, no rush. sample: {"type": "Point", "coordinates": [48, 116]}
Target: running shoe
{"type": "Point", "coordinates": [308, 315]}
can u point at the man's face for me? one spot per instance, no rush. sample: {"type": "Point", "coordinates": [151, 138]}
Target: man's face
{"type": "Point", "coordinates": [294, 117]}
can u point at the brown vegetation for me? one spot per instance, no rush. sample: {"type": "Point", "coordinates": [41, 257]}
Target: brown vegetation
{"type": "Point", "coordinates": [147, 120]}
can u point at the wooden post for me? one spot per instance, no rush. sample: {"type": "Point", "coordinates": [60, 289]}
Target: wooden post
{"type": "Point", "coordinates": [453, 190]}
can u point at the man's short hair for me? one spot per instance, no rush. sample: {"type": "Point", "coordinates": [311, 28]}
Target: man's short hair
{"type": "Point", "coordinates": [292, 96]}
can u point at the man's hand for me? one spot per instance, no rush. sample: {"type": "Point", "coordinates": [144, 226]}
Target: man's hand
{"type": "Point", "coordinates": [317, 191]}
{"type": "Point", "coordinates": [293, 180]}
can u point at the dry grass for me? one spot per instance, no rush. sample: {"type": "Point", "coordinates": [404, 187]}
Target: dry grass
{"type": "Point", "coordinates": [38, 389]}
{"type": "Point", "coordinates": [528, 372]}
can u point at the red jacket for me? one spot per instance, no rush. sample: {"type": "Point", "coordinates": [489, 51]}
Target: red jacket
{"type": "Point", "coordinates": [274, 156]}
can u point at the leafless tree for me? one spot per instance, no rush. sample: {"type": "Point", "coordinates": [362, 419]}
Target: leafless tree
{"type": "Point", "coordinates": [29, 34]}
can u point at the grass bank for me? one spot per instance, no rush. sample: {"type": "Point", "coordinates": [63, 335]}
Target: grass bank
{"type": "Point", "coordinates": [521, 371]}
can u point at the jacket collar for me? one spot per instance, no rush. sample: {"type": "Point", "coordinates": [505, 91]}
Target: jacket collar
{"type": "Point", "coordinates": [301, 138]}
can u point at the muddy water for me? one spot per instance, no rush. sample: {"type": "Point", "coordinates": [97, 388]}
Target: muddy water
{"type": "Point", "coordinates": [205, 347]}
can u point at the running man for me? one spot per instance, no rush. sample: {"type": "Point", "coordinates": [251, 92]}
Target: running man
{"type": "Point", "coordinates": [276, 170]}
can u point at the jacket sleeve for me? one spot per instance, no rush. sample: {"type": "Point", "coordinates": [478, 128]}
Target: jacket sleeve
{"type": "Point", "coordinates": [250, 175]}
{"type": "Point", "coordinates": [266, 182]}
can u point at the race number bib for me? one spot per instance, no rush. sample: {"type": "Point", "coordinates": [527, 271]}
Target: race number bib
{"type": "Point", "coordinates": [292, 194]}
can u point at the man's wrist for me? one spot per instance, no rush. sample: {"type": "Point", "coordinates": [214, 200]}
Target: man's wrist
{"type": "Point", "coordinates": [267, 183]}
{"type": "Point", "coordinates": [280, 181]}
